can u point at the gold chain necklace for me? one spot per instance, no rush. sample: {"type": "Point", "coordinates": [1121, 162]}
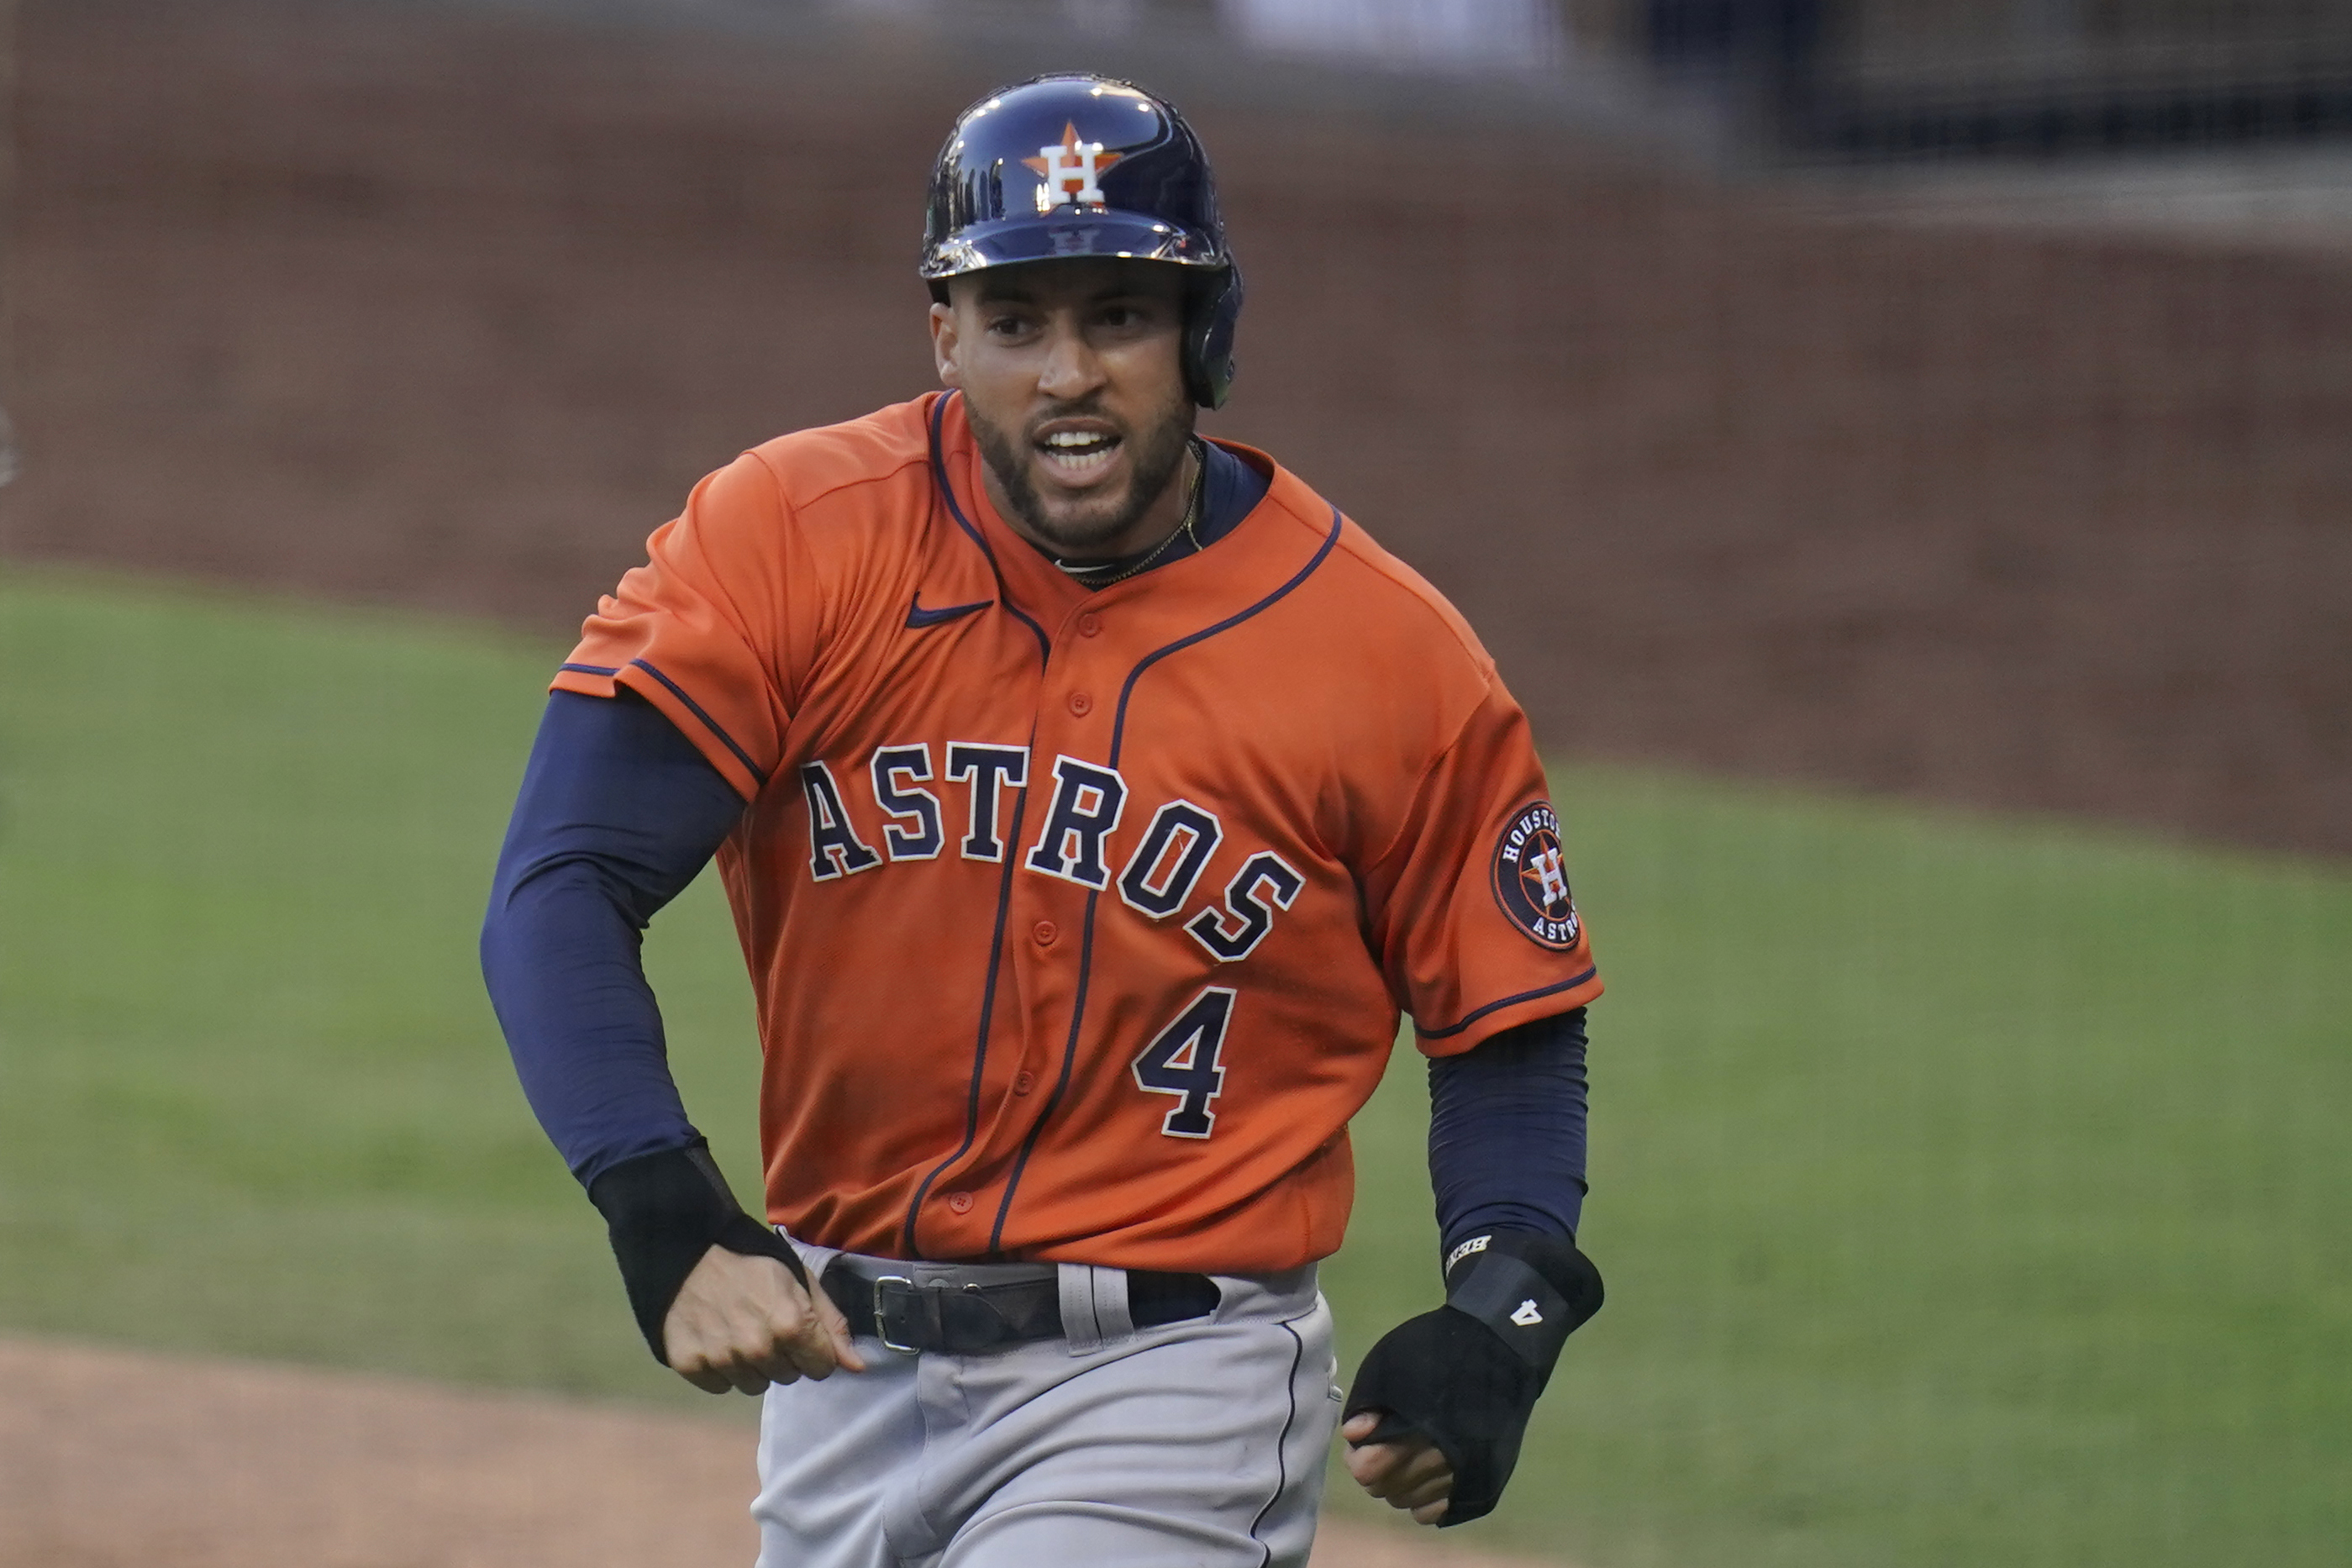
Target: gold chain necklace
{"type": "Point", "coordinates": [1185, 529]}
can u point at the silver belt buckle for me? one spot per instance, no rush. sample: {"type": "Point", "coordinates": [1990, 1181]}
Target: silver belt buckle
{"type": "Point", "coordinates": [881, 1319]}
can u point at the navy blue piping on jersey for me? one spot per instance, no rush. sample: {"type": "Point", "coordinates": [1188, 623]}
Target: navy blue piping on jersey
{"type": "Point", "coordinates": [1477, 1013]}
{"type": "Point", "coordinates": [604, 669]}
{"type": "Point", "coordinates": [708, 723]}
{"type": "Point", "coordinates": [1094, 896]}
{"type": "Point", "coordinates": [947, 493]}
{"type": "Point", "coordinates": [1012, 852]}
{"type": "Point", "coordinates": [987, 1012]}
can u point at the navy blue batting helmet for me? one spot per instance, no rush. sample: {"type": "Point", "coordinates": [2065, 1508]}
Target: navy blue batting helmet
{"type": "Point", "coordinates": [1085, 165]}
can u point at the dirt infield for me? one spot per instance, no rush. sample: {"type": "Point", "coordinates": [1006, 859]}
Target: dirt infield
{"type": "Point", "coordinates": [448, 311]}
{"type": "Point", "coordinates": [111, 1459]}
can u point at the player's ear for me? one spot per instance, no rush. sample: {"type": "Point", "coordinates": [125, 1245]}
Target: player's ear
{"type": "Point", "coordinates": [945, 342]}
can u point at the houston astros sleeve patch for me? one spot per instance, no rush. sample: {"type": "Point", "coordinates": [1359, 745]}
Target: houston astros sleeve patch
{"type": "Point", "coordinates": [1531, 878]}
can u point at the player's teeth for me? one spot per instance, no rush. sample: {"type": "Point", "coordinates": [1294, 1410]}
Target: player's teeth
{"type": "Point", "coordinates": [1077, 451]}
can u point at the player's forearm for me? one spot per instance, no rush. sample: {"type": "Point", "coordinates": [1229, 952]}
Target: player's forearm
{"type": "Point", "coordinates": [617, 814]}
{"type": "Point", "coordinates": [1507, 1132]}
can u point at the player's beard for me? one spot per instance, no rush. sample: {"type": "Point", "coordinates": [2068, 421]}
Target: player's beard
{"type": "Point", "coordinates": [1082, 529]}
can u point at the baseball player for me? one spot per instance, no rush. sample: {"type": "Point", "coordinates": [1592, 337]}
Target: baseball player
{"type": "Point", "coordinates": [1092, 798]}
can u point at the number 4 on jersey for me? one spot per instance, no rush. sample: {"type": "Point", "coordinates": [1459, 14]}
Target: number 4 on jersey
{"type": "Point", "coordinates": [1182, 1061]}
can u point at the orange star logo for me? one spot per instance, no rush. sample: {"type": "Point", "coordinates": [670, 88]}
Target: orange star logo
{"type": "Point", "coordinates": [1072, 171]}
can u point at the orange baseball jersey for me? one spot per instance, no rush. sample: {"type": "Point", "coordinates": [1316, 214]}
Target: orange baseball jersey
{"type": "Point", "coordinates": [1080, 921]}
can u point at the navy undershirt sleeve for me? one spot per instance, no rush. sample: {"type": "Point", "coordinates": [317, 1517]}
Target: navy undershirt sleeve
{"type": "Point", "coordinates": [1507, 1132]}
{"type": "Point", "coordinates": [617, 814]}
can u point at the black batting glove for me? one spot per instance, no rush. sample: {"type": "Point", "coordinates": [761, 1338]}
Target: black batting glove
{"type": "Point", "coordinates": [1466, 1376]}
{"type": "Point", "coordinates": [663, 1212]}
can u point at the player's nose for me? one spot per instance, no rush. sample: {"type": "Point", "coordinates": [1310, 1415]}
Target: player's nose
{"type": "Point", "coordinates": [1072, 369]}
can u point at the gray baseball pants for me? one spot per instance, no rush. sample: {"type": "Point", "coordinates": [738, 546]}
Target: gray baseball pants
{"type": "Point", "coordinates": [1198, 1444]}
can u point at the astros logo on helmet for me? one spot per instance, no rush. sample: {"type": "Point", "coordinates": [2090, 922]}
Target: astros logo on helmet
{"type": "Point", "coordinates": [1084, 165]}
{"type": "Point", "coordinates": [1072, 169]}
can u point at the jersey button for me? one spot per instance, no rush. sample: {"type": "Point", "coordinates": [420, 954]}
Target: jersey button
{"type": "Point", "coordinates": [960, 1202]}
{"type": "Point", "coordinates": [1045, 931]}
{"type": "Point", "coordinates": [1023, 1082]}
{"type": "Point", "coordinates": [1081, 704]}
{"type": "Point", "coordinates": [1090, 624]}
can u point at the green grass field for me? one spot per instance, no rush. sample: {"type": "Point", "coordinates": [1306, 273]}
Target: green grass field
{"type": "Point", "coordinates": [1971, 1191]}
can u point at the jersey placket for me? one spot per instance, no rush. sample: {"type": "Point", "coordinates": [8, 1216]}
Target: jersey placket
{"type": "Point", "coordinates": [1062, 864]}
{"type": "Point", "coordinates": [1072, 805]}
{"type": "Point", "coordinates": [1041, 967]}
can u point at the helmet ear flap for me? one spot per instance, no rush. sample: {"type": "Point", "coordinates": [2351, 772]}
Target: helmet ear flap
{"type": "Point", "coordinates": [1212, 316]}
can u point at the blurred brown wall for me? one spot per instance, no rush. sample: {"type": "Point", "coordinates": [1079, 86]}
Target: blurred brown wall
{"type": "Point", "coordinates": [450, 310]}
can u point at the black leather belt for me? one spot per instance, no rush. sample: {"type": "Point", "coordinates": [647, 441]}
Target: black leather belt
{"type": "Point", "coordinates": [972, 1316]}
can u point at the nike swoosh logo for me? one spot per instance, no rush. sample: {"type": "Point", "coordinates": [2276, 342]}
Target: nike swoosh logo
{"type": "Point", "coordinates": [920, 616]}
